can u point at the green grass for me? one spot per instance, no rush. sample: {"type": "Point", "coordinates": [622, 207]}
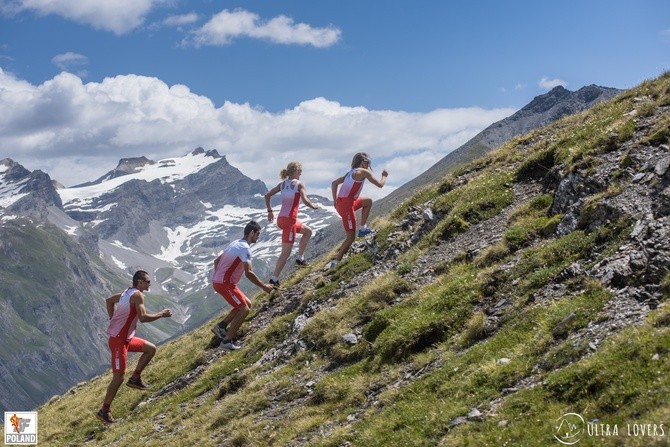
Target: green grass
{"type": "Point", "coordinates": [481, 198]}
{"type": "Point", "coordinates": [431, 315]}
{"type": "Point", "coordinates": [427, 354]}
{"type": "Point", "coordinates": [530, 222]}
{"type": "Point", "coordinates": [326, 330]}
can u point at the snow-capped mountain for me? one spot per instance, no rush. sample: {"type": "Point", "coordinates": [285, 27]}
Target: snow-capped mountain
{"type": "Point", "coordinates": [69, 248]}
{"type": "Point", "coordinates": [172, 217]}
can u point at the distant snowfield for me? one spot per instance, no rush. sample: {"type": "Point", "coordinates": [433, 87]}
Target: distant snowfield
{"type": "Point", "coordinates": [168, 170]}
{"type": "Point", "coordinates": [183, 240]}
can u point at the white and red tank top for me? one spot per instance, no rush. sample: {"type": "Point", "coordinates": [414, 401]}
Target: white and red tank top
{"type": "Point", "coordinates": [124, 319]}
{"type": "Point", "coordinates": [290, 198]}
{"type": "Point", "coordinates": [231, 264]}
{"type": "Point", "coordinates": [350, 188]}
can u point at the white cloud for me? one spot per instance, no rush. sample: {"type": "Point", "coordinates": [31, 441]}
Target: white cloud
{"type": "Point", "coordinates": [78, 131]}
{"type": "Point", "coordinates": [548, 84]}
{"type": "Point", "coordinates": [181, 20]}
{"type": "Point", "coordinates": [117, 16]}
{"type": "Point", "coordinates": [225, 26]}
{"type": "Point", "coordinates": [68, 61]}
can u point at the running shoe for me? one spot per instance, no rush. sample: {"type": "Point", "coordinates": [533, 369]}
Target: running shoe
{"type": "Point", "coordinates": [105, 416]}
{"type": "Point", "coordinates": [365, 231]}
{"type": "Point", "coordinates": [230, 345]}
{"type": "Point", "coordinates": [332, 264]}
{"type": "Point", "coordinates": [301, 263]}
{"type": "Point", "coordinates": [138, 384]}
{"type": "Point", "coordinates": [273, 283]}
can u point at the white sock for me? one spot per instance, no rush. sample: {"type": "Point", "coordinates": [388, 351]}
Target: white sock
{"type": "Point", "coordinates": [274, 278]}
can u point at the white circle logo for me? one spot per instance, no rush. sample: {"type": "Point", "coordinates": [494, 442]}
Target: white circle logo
{"type": "Point", "coordinates": [569, 428]}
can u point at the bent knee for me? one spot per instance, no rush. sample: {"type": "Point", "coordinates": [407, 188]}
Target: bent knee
{"type": "Point", "coordinates": [149, 348]}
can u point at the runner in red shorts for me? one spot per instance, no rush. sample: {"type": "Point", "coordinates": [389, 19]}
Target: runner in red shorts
{"type": "Point", "coordinates": [124, 310]}
{"type": "Point", "coordinates": [347, 200]}
{"type": "Point", "coordinates": [228, 269]}
{"type": "Point", "coordinates": [292, 190]}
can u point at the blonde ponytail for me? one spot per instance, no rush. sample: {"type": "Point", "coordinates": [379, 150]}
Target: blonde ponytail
{"type": "Point", "coordinates": [290, 169]}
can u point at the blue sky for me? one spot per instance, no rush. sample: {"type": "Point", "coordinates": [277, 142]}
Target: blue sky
{"type": "Point", "coordinates": [84, 83]}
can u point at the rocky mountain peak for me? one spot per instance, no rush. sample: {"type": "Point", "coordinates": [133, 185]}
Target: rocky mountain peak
{"type": "Point", "coordinates": [211, 153]}
{"type": "Point", "coordinates": [544, 102]}
{"type": "Point", "coordinates": [591, 92]}
{"type": "Point", "coordinates": [130, 165]}
{"type": "Point", "coordinates": [25, 191]}
{"type": "Point", "coordinates": [13, 171]}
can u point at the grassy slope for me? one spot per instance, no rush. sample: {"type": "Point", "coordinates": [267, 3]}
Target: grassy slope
{"type": "Point", "coordinates": [425, 358]}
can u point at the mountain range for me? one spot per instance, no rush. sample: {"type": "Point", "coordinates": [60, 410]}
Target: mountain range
{"type": "Point", "coordinates": [66, 249]}
{"type": "Point", "coordinates": [520, 300]}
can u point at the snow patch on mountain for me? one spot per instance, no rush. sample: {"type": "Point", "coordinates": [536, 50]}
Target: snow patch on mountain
{"type": "Point", "coordinates": [119, 264]}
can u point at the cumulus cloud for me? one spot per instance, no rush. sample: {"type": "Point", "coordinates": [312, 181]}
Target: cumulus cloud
{"type": "Point", "coordinates": [78, 131]}
{"type": "Point", "coordinates": [116, 16]}
{"type": "Point", "coordinates": [548, 84]}
{"type": "Point", "coordinates": [227, 25]}
{"type": "Point", "coordinates": [70, 62]}
{"type": "Point", "coordinates": [181, 20]}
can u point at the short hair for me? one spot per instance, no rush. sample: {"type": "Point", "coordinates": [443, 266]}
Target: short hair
{"type": "Point", "coordinates": [251, 226]}
{"type": "Point", "coordinates": [359, 158]}
{"type": "Point", "coordinates": [139, 276]}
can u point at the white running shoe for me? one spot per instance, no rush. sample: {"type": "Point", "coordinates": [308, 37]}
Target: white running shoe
{"type": "Point", "coordinates": [230, 345]}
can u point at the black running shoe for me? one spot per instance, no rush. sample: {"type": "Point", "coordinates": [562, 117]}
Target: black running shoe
{"type": "Point", "coordinates": [274, 283]}
{"type": "Point", "coordinates": [138, 384]}
{"type": "Point", "coordinates": [301, 263]}
{"type": "Point", "coordinates": [105, 416]}
{"type": "Point", "coordinates": [365, 231]}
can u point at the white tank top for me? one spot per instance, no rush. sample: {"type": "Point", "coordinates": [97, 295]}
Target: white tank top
{"type": "Point", "coordinates": [290, 198]}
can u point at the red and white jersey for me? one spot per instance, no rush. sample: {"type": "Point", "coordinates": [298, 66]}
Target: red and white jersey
{"type": "Point", "coordinates": [290, 198]}
{"type": "Point", "coordinates": [125, 317]}
{"type": "Point", "coordinates": [231, 264]}
{"type": "Point", "coordinates": [350, 188]}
